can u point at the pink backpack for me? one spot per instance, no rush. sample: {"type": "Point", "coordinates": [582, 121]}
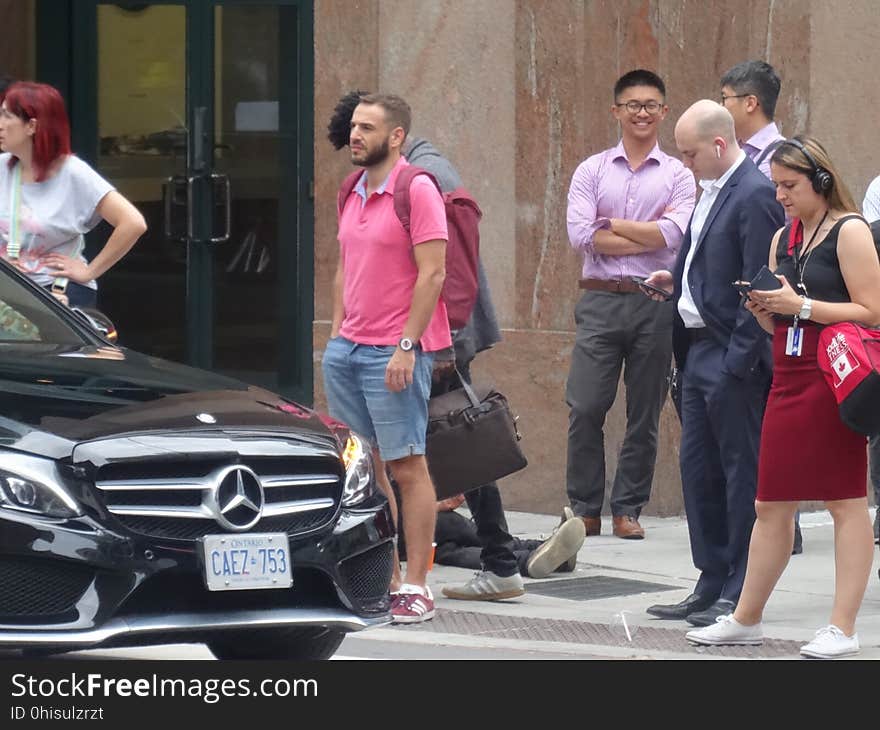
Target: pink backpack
{"type": "Point", "coordinates": [462, 249]}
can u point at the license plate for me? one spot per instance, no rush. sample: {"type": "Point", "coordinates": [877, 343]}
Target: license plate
{"type": "Point", "coordinates": [244, 562]}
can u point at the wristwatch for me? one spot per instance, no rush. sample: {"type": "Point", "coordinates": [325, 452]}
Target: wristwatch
{"type": "Point", "coordinates": [806, 309]}
{"type": "Point", "coordinates": [405, 344]}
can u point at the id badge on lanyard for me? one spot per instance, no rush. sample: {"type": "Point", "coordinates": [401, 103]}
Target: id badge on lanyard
{"type": "Point", "coordinates": [794, 340]}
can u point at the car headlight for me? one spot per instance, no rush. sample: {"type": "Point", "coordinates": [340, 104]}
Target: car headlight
{"type": "Point", "coordinates": [29, 484]}
{"type": "Point", "coordinates": [358, 461]}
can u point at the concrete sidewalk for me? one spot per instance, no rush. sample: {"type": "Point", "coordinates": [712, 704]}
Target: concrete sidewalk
{"type": "Point", "coordinates": [586, 616]}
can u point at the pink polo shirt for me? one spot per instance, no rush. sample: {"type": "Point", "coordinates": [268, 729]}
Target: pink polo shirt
{"type": "Point", "coordinates": [379, 266]}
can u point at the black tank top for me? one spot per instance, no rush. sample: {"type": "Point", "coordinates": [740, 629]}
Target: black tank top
{"type": "Point", "coordinates": [821, 272]}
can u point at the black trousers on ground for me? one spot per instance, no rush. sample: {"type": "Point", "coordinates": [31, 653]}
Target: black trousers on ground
{"type": "Point", "coordinates": [616, 331]}
{"type": "Point", "coordinates": [459, 544]}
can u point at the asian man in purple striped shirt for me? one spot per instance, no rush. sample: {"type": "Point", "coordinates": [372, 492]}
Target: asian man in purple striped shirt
{"type": "Point", "coordinates": [628, 208]}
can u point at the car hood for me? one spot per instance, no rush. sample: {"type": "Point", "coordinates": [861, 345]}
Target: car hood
{"type": "Point", "coordinates": [52, 398]}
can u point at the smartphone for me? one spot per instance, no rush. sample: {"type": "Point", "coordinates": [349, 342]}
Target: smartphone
{"type": "Point", "coordinates": [640, 280]}
{"type": "Point", "coordinates": [743, 287]}
{"type": "Point", "coordinates": [765, 280]}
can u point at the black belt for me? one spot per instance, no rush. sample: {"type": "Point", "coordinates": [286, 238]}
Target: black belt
{"type": "Point", "coordinates": [700, 333]}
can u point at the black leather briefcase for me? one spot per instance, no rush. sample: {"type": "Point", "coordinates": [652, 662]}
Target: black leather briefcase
{"type": "Point", "coordinates": [472, 439]}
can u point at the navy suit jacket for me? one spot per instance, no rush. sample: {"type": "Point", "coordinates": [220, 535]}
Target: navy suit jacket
{"type": "Point", "coordinates": [734, 243]}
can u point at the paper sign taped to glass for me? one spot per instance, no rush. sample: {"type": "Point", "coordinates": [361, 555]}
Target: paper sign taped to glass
{"type": "Point", "coordinates": [472, 439]}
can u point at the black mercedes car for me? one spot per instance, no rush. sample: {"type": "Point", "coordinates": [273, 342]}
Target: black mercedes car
{"type": "Point", "coordinates": [144, 502]}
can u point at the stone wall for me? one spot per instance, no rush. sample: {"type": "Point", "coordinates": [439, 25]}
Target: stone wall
{"type": "Point", "coordinates": [516, 93]}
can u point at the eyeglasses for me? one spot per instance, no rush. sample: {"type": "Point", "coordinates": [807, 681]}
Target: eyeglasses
{"type": "Point", "coordinates": [725, 97]}
{"type": "Point", "coordinates": [634, 107]}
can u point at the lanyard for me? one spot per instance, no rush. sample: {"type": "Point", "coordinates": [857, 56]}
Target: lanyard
{"type": "Point", "coordinates": [800, 265]}
{"type": "Point", "coordinates": [13, 247]}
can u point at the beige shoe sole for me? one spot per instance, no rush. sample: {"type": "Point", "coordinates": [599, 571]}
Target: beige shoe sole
{"type": "Point", "coordinates": [513, 593]}
{"type": "Point", "coordinates": [557, 549]}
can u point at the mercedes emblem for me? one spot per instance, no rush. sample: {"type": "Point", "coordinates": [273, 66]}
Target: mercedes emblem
{"type": "Point", "coordinates": [236, 500]}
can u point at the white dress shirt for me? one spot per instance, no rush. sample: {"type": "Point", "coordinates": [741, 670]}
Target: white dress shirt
{"type": "Point", "coordinates": [687, 308]}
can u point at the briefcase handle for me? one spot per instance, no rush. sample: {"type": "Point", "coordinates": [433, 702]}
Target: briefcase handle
{"type": "Point", "coordinates": [472, 397]}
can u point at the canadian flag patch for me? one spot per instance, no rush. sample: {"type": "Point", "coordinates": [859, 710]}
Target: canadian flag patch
{"type": "Point", "coordinates": [844, 365]}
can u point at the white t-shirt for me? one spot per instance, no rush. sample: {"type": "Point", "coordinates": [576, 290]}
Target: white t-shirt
{"type": "Point", "coordinates": [53, 216]}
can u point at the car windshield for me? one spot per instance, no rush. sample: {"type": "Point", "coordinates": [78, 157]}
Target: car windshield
{"type": "Point", "coordinates": [26, 319]}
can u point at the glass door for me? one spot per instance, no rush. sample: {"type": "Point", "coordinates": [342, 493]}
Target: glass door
{"type": "Point", "coordinates": [203, 119]}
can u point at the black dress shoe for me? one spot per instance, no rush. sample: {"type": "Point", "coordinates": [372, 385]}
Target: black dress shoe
{"type": "Point", "coordinates": [721, 607]}
{"type": "Point", "coordinates": [689, 605]}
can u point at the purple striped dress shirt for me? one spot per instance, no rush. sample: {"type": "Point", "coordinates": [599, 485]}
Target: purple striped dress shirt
{"type": "Point", "coordinates": [604, 187]}
{"type": "Point", "coordinates": [758, 142]}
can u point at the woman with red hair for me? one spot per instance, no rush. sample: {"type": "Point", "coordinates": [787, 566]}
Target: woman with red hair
{"type": "Point", "coordinates": [49, 198]}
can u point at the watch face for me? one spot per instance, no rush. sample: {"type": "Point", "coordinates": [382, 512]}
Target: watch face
{"type": "Point", "coordinates": [405, 344]}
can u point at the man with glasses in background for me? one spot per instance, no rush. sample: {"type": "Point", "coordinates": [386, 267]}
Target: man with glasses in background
{"type": "Point", "coordinates": [628, 208]}
{"type": "Point", "coordinates": [749, 92]}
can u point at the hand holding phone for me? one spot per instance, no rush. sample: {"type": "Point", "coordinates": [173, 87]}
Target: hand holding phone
{"type": "Point", "coordinates": [765, 280]}
{"type": "Point", "coordinates": [743, 287]}
{"type": "Point", "coordinates": [642, 282]}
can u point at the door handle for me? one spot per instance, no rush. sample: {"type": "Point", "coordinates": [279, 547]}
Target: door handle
{"type": "Point", "coordinates": [171, 187]}
{"type": "Point", "coordinates": [213, 178]}
{"type": "Point", "coordinates": [224, 179]}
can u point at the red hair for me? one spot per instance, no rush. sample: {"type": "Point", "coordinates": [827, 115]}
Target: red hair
{"type": "Point", "coordinates": [29, 100]}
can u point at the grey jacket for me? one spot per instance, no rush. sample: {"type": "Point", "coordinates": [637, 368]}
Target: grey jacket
{"type": "Point", "coordinates": [481, 331]}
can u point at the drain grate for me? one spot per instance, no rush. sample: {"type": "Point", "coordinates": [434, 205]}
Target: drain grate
{"type": "Point", "coordinates": [595, 586]}
{"type": "Point", "coordinates": [583, 632]}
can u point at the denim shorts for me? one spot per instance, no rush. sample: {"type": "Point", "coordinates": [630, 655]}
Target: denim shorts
{"type": "Point", "coordinates": [354, 381]}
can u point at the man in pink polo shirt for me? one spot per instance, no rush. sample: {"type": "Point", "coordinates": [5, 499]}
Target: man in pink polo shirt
{"type": "Point", "coordinates": [388, 320]}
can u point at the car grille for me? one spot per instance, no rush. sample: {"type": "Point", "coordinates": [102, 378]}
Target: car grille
{"type": "Point", "coordinates": [369, 573]}
{"type": "Point", "coordinates": [311, 588]}
{"type": "Point", "coordinates": [177, 500]}
{"type": "Point", "coordinates": [43, 588]}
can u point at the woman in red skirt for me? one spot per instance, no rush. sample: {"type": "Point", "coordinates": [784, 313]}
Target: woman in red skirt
{"type": "Point", "coordinates": [830, 272]}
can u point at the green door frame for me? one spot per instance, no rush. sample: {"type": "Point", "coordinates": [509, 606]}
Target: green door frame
{"type": "Point", "coordinates": [67, 58]}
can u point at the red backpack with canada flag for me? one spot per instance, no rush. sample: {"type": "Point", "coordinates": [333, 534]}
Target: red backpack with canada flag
{"type": "Point", "coordinates": [462, 248]}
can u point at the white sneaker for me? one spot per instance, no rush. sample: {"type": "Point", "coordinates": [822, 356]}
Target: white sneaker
{"type": "Point", "coordinates": [829, 643]}
{"type": "Point", "coordinates": [486, 586]}
{"type": "Point", "coordinates": [558, 549]}
{"type": "Point", "coordinates": [727, 631]}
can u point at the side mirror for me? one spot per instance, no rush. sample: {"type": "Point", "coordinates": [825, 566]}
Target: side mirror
{"type": "Point", "coordinates": [98, 321]}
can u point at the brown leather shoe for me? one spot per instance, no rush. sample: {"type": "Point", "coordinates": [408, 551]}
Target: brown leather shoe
{"type": "Point", "coordinates": [592, 526]}
{"type": "Point", "coordinates": [628, 527]}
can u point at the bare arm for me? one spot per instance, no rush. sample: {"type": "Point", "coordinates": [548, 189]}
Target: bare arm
{"type": "Point", "coordinates": [430, 258]}
{"type": "Point", "coordinates": [613, 244]}
{"type": "Point", "coordinates": [646, 234]}
{"type": "Point", "coordinates": [128, 226]}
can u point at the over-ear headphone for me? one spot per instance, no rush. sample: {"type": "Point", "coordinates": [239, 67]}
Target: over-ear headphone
{"type": "Point", "coordinates": [820, 177]}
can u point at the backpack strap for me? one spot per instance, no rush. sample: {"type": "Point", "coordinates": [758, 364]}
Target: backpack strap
{"type": "Point", "coordinates": [346, 189]}
{"type": "Point", "coordinates": [402, 204]}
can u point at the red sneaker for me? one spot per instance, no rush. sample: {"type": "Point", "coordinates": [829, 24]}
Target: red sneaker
{"type": "Point", "coordinates": [412, 605]}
